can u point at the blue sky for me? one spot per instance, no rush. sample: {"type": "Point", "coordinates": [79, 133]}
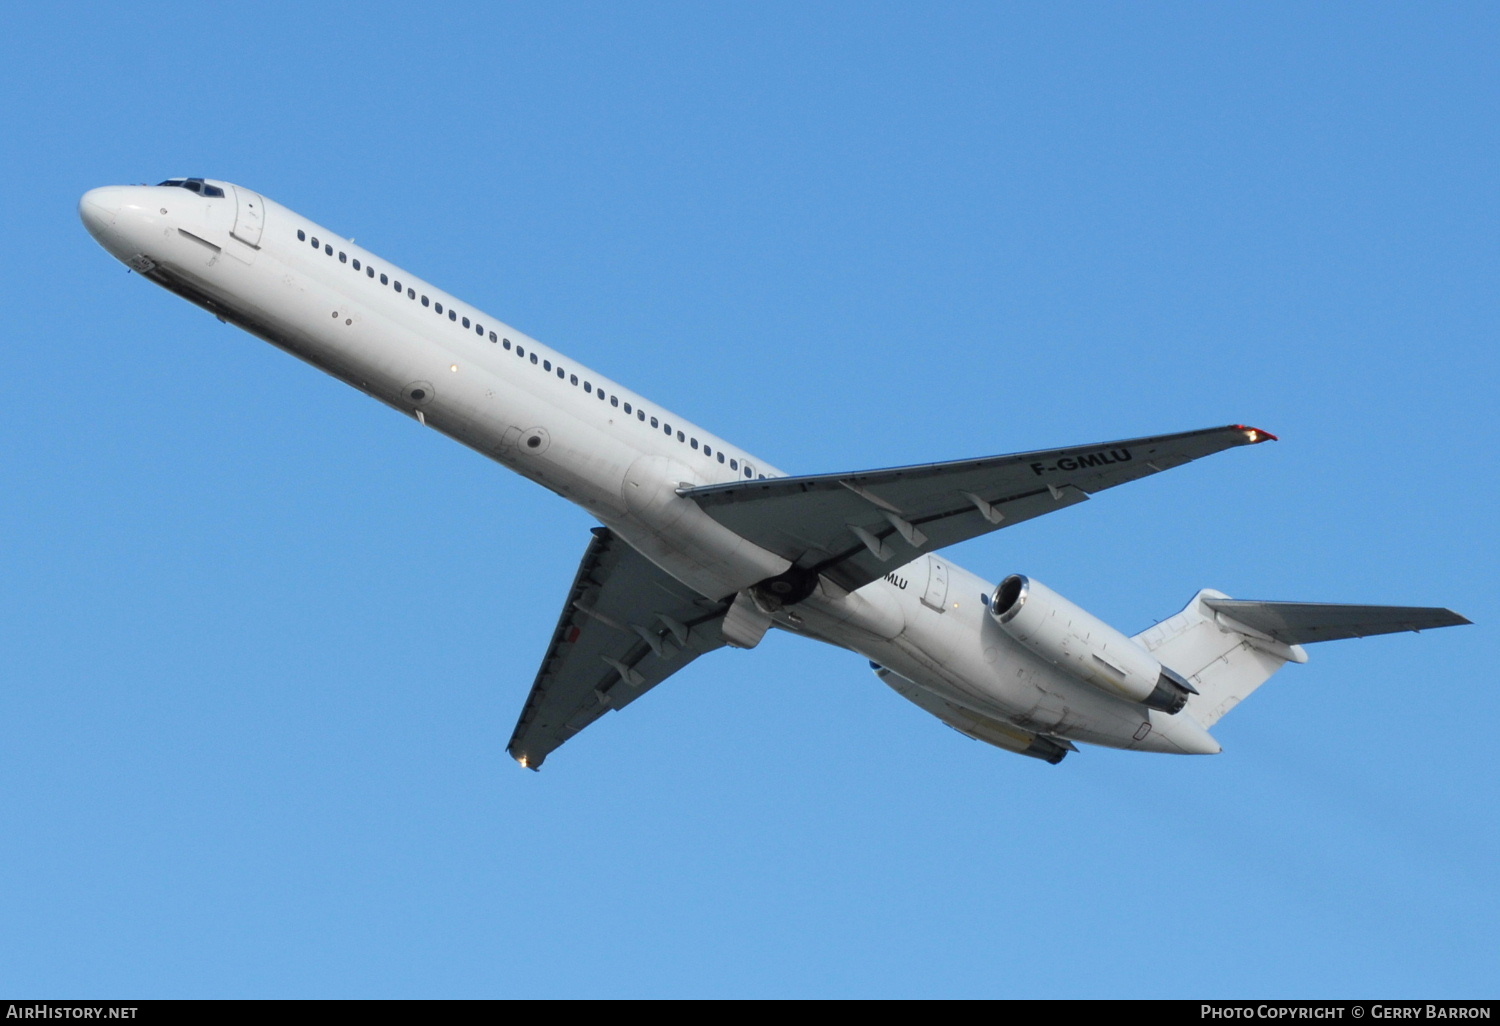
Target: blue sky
{"type": "Point", "coordinates": [265, 639]}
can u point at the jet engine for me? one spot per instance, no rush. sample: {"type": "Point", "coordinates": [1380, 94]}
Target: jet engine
{"type": "Point", "coordinates": [1084, 645]}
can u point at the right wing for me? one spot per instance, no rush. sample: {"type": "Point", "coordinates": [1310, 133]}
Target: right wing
{"type": "Point", "coordinates": [626, 627]}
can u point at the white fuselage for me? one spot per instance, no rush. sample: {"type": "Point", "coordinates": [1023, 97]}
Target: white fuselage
{"type": "Point", "coordinates": [470, 376]}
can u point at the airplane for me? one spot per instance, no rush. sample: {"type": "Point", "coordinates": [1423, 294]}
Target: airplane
{"type": "Point", "coordinates": [704, 545]}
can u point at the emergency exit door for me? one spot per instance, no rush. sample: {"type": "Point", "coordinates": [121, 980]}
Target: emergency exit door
{"type": "Point", "coordinates": [936, 595]}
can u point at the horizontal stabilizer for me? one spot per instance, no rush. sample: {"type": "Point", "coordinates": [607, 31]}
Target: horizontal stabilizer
{"type": "Point", "coordinates": [1299, 623]}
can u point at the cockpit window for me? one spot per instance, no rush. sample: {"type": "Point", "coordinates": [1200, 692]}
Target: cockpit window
{"type": "Point", "coordinates": [197, 185]}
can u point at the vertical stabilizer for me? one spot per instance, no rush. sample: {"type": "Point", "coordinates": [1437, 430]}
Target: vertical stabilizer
{"type": "Point", "coordinates": [1224, 659]}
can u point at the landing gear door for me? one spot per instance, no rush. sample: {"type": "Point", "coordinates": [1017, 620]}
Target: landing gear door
{"type": "Point", "coordinates": [249, 216]}
{"type": "Point", "coordinates": [936, 595]}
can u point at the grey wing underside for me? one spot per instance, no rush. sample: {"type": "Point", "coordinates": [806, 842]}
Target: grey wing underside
{"type": "Point", "coordinates": [626, 627]}
{"type": "Point", "coordinates": [1302, 623]}
{"type": "Point", "coordinates": [854, 528]}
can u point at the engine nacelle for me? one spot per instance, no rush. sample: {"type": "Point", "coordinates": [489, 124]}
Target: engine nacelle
{"type": "Point", "coordinates": [1084, 645]}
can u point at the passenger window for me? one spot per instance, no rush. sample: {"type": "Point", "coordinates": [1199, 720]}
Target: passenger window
{"type": "Point", "coordinates": [301, 235]}
{"type": "Point", "coordinates": [707, 451]}
{"type": "Point", "coordinates": [479, 330]}
{"type": "Point", "coordinates": [600, 394]}
{"type": "Point", "coordinates": [654, 423]}
{"type": "Point", "coordinates": [507, 343]}
{"type": "Point", "coordinates": [721, 456]}
{"type": "Point", "coordinates": [640, 415]}
{"type": "Point", "coordinates": [533, 358]}
{"type": "Point", "coordinates": [369, 271]}
{"type": "Point", "coordinates": [520, 351]}
{"type": "Point", "coordinates": [749, 470]}
{"type": "Point", "coordinates": [589, 388]}
{"type": "Point", "coordinates": [343, 257]}
{"type": "Point", "coordinates": [492, 337]}
{"type": "Point", "coordinates": [410, 293]}
{"type": "Point", "coordinates": [572, 379]}
{"type": "Point", "coordinates": [452, 315]}
{"type": "Point", "coordinates": [328, 248]}
{"type": "Point", "coordinates": [693, 442]}
{"type": "Point", "coordinates": [466, 322]}
{"type": "Point", "coordinates": [546, 365]}
{"type": "Point", "coordinates": [560, 373]}
{"type": "Point", "coordinates": [614, 400]}
{"type": "Point", "coordinates": [734, 464]}
{"type": "Point", "coordinates": [356, 265]}
{"type": "Point", "coordinates": [438, 307]}
{"type": "Point", "coordinates": [385, 280]}
{"type": "Point", "coordinates": [425, 301]}
{"type": "Point", "coordinates": [627, 407]}
{"type": "Point", "coordinates": [315, 242]}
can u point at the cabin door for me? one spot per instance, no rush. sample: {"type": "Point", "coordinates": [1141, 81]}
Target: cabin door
{"type": "Point", "coordinates": [249, 216]}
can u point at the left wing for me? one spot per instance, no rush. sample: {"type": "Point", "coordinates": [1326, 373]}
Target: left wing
{"type": "Point", "coordinates": [626, 627]}
{"type": "Point", "coordinates": [854, 528]}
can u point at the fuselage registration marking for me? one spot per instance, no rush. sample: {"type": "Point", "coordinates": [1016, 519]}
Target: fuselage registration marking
{"type": "Point", "coordinates": [1102, 458]}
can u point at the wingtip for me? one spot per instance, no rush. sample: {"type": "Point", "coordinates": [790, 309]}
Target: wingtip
{"type": "Point", "coordinates": [1255, 435]}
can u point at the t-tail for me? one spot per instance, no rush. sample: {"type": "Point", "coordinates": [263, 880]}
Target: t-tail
{"type": "Point", "coordinates": [1226, 648]}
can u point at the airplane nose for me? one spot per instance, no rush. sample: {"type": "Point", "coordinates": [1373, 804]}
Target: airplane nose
{"type": "Point", "coordinates": [98, 209]}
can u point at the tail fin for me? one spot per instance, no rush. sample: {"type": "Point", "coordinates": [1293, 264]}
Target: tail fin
{"type": "Point", "coordinates": [1227, 648]}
